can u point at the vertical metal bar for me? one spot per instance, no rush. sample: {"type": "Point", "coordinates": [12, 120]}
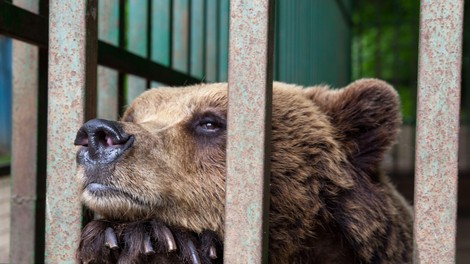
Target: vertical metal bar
{"type": "Point", "coordinates": [310, 37]}
{"type": "Point", "coordinates": [188, 35]}
{"type": "Point", "coordinates": [108, 31]}
{"type": "Point", "coordinates": [281, 36]}
{"type": "Point", "coordinates": [197, 38]}
{"type": "Point", "coordinates": [223, 40]}
{"type": "Point", "coordinates": [289, 42]}
{"type": "Point", "coordinates": [302, 14]}
{"type": "Point", "coordinates": [204, 40]}
{"type": "Point", "coordinates": [41, 167]}
{"type": "Point", "coordinates": [24, 147]}
{"type": "Point", "coordinates": [72, 78]}
{"type": "Point", "coordinates": [136, 43]}
{"type": "Point", "coordinates": [148, 44]}
{"type": "Point", "coordinates": [277, 39]}
{"type": "Point", "coordinates": [122, 44]}
{"type": "Point", "coordinates": [180, 35]}
{"type": "Point", "coordinates": [211, 40]}
{"type": "Point", "coordinates": [440, 54]}
{"type": "Point", "coordinates": [161, 32]}
{"type": "Point", "coordinates": [171, 33]}
{"type": "Point", "coordinates": [249, 130]}
{"type": "Point", "coordinates": [217, 41]}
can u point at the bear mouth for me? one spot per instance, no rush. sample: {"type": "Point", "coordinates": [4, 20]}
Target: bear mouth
{"type": "Point", "coordinates": [96, 187]}
{"type": "Point", "coordinates": [100, 191]}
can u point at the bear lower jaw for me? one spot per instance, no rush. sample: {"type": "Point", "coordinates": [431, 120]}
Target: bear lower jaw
{"type": "Point", "coordinates": [112, 203]}
{"type": "Point", "coordinates": [96, 187]}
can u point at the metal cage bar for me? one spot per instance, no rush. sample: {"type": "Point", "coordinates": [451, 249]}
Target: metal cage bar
{"type": "Point", "coordinates": [440, 56]}
{"type": "Point", "coordinates": [23, 200]}
{"type": "Point", "coordinates": [24, 147]}
{"type": "Point", "coordinates": [249, 130]}
{"type": "Point", "coordinates": [72, 63]}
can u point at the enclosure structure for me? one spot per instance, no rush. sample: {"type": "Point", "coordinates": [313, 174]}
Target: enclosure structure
{"type": "Point", "coordinates": [67, 37]}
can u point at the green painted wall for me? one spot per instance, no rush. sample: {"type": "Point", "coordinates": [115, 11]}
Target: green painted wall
{"type": "Point", "coordinates": [313, 42]}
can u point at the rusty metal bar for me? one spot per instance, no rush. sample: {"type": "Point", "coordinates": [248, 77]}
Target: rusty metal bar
{"type": "Point", "coordinates": [249, 130]}
{"type": "Point", "coordinates": [72, 78]}
{"type": "Point", "coordinates": [440, 54]}
{"type": "Point", "coordinates": [24, 147]}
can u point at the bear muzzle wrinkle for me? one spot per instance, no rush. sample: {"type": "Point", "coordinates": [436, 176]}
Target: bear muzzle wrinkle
{"type": "Point", "coordinates": [102, 142]}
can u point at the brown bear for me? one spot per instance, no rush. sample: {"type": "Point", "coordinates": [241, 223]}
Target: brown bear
{"type": "Point", "coordinates": [157, 177]}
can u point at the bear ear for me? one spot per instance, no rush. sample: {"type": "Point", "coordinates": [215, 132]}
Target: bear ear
{"type": "Point", "coordinates": [366, 115]}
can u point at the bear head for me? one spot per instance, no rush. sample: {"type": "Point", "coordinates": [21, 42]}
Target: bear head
{"type": "Point", "coordinates": [165, 159]}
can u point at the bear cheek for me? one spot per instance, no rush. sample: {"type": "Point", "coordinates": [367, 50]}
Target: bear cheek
{"type": "Point", "coordinates": [149, 168]}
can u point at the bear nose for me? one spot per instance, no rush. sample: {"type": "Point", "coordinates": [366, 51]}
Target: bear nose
{"type": "Point", "coordinates": [103, 141]}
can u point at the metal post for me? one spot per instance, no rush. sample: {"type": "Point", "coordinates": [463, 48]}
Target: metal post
{"type": "Point", "coordinates": [440, 54]}
{"type": "Point", "coordinates": [24, 146]}
{"type": "Point", "coordinates": [249, 130]}
{"type": "Point", "coordinates": [72, 78]}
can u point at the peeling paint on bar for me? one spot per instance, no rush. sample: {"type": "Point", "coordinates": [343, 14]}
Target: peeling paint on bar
{"type": "Point", "coordinates": [440, 52]}
{"type": "Point", "coordinates": [72, 77]}
{"type": "Point", "coordinates": [249, 130]}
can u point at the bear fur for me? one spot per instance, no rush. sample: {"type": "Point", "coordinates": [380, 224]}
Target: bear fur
{"type": "Point", "coordinates": [330, 201]}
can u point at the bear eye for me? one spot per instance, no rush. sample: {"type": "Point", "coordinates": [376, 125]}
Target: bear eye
{"type": "Point", "coordinates": [210, 126]}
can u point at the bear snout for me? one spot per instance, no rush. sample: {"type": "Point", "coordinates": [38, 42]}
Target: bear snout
{"type": "Point", "coordinates": [102, 142]}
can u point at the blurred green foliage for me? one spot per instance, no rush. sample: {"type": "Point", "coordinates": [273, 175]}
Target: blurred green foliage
{"type": "Point", "coordinates": [385, 45]}
{"type": "Point", "coordinates": [5, 159]}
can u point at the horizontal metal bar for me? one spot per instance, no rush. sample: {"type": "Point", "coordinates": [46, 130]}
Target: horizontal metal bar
{"type": "Point", "coordinates": [5, 170]}
{"type": "Point", "coordinates": [119, 59]}
{"type": "Point", "coordinates": [17, 23]}
{"type": "Point", "coordinates": [439, 78]}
